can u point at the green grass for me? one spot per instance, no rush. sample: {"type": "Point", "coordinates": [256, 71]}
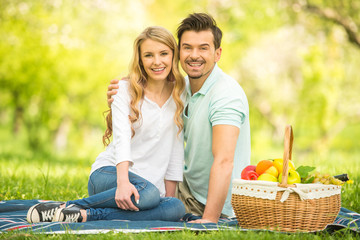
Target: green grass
{"type": "Point", "coordinates": [54, 178]}
{"type": "Point", "coordinates": [223, 235]}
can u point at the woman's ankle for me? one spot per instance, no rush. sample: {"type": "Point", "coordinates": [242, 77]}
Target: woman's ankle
{"type": "Point", "coordinates": [84, 215]}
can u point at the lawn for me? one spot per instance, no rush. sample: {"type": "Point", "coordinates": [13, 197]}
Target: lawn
{"type": "Point", "coordinates": [47, 177]}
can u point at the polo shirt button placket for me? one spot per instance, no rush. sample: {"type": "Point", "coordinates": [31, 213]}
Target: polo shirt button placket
{"type": "Point", "coordinates": [191, 103]}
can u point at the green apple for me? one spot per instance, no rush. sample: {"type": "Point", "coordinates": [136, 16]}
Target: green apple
{"type": "Point", "coordinates": [267, 177]}
{"type": "Point", "coordinates": [293, 177]}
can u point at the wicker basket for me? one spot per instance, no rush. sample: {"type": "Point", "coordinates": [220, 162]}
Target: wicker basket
{"type": "Point", "coordinates": [283, 207]}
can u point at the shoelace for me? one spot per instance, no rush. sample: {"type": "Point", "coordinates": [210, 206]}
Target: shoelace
{"type": "Point", "coordinates": [72, 217]}
{"type": "Point", "coordinates": [49, 214]}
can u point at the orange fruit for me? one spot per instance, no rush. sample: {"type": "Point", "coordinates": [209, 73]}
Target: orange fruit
{"type": "Point", "coordinates": [262, 166]}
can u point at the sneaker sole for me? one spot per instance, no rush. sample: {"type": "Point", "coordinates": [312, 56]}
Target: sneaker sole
{"type": "Point", "coordinates": [32, 215]}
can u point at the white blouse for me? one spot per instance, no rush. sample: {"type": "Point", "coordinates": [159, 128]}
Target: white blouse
{"type": "Point", "coordinates": [156, 151]}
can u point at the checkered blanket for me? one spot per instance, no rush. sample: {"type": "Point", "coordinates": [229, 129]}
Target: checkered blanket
{"type": "Point", "coordinates": [13, 218]}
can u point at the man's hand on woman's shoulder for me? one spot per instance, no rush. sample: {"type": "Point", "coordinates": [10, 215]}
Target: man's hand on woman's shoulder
{"type": "Point", "coordinates": [114, 84]}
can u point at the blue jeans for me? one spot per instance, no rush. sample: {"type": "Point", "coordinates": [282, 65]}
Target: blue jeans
{"type": "Point", "coordinates": [101, 203]}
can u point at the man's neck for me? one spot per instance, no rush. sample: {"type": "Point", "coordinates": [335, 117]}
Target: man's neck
{"type": "Point", "coordinates": [197, 83]}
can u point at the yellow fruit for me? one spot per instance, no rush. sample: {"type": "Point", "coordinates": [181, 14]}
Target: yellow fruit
{"type": "Point", "coordinates": [273, 171]}
{"type": "Point", "coordinates": [267, 177]}
{"type": "Point", "coordinates": [278, 163]}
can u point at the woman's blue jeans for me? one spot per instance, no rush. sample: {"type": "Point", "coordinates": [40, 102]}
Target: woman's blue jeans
{"type": "Point", "coordinates": [101, 205]}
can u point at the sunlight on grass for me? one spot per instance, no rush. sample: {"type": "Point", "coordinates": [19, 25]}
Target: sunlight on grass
{"type": "Point", "coordinates": [66, 179]}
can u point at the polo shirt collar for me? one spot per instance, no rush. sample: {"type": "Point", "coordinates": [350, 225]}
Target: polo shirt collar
{"type": "Point", "coordinates": [208, 82]}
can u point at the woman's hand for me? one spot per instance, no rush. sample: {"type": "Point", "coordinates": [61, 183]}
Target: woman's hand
{"type": "Point", "coordinates": [123, 195]}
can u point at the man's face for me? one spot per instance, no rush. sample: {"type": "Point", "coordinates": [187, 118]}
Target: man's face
{"type": "Point", "coordinates": [198, 54]}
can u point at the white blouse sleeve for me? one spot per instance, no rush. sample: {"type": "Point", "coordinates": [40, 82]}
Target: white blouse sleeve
{"type": "Point", "coordinates": [121, 124]}
{"type": "Point", "coordinates": [176, 164]}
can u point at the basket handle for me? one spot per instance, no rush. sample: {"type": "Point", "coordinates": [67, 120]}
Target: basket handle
{"type": "Point", "coordinates": [288, 143]}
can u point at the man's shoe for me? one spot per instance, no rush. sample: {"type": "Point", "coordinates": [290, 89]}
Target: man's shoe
{"type": "Point", "coordinates": [69, 214]}
{"type": "Point", "coordinates": [42, 212]}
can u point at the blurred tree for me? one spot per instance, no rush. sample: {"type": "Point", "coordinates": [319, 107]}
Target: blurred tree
{"type": "Point", "coordinates": [301, 73]}
{"type": "Point", "coordinates": [296, 67]}
{"type": "Point", "coordinates": [57, 58]}
{"type": "Point", "coordinates": [330, 73]}
{"type": "Point", "coordinates": [343, 13]}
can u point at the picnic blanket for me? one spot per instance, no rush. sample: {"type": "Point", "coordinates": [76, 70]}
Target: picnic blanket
{"type": "Point", "coordinates": [13, 218]}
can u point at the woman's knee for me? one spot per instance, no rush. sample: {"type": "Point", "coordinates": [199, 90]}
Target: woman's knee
{"type": "Point", "coordinates": [149, 193]}
{"type": "Point", "coordinates": [149, 197]}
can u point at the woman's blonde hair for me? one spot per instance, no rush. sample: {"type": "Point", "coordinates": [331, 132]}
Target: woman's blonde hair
{"type": "Point", "coordinates": [138, 78]}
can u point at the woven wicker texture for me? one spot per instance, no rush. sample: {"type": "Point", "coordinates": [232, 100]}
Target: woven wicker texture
{"type": "Point", "coordinates": [292, 215]}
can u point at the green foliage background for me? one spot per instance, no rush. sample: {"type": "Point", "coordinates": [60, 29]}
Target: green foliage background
{"type": "Point", "coordinates": [58, 56]}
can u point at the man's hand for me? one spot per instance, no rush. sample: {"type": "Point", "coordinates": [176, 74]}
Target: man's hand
{"type": "Point", "coordinates": [112, 91]}
{"type": "Point", "coordinates": [201, 221]}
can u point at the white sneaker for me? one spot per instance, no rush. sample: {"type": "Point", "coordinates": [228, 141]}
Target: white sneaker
{"type": "Point", "coordinates": [42, 212]}
{"type": "Point", "coordinates": [69, 214]}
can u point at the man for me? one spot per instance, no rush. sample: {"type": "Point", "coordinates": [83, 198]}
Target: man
{"type": "Point", "coordinates": [216, 122]}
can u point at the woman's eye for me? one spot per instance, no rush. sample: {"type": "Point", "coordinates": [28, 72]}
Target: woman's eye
{"type": "Point", "coordinates": [164, 53]}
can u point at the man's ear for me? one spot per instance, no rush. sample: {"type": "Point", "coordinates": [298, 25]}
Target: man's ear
{"type": "Point", "coordinates": [218, 54]}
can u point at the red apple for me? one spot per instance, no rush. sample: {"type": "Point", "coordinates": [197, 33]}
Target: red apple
{"type": "Point", "coordinates": [246, 169]}
{"type": "Point", "coordinates": [251, 175]}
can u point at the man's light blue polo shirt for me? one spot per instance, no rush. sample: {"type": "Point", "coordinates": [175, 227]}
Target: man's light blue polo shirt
{"type": "Point", "coordinates": [220, 100]}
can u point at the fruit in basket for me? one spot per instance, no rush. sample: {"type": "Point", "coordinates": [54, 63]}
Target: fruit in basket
{"type": "Point", "coordinates": [293, 177]}
{"type": "Point", "coordinates": [317, 177]}
{"type": "Point", "coordinates": [267, 177]}
{"type": "Point", "coordinates": [273, 171]}
{"type": "Point", "coordinates": [263, 165]}
{"type": "Point", "coordinates": [278, 163]}
{"type": "Point", "coordinates": [248, 173]}
{"type": "Point", "coordinates": [247, 169]}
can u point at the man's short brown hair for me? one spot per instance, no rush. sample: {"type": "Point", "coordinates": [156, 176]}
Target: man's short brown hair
{"type": "Point", "coordinates": [200, 22]}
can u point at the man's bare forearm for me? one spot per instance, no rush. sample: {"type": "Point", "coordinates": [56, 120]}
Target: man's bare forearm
{"type": "Point", "coordinates": [219, 182]}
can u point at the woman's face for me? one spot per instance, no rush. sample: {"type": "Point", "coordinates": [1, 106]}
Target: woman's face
{"type": "Point", "coordinates": [156, 58]}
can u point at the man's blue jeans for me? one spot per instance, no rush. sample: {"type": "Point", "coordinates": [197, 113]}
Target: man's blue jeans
{"type": "Point", "coordinates": [101, 205]}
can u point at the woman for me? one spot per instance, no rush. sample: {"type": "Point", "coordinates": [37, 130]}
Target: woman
{"type": "Point", "coordinates": [135, 178]}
